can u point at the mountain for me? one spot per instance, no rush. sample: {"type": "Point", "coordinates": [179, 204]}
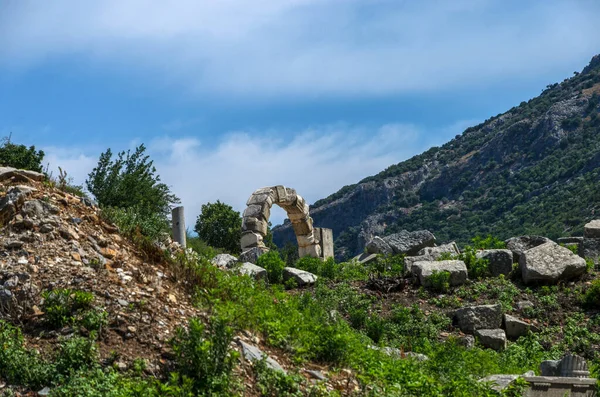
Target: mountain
{"type": "Point", "coordinates": [532, 170]}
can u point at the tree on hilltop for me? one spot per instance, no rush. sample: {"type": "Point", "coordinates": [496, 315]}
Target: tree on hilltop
{"type": "Point", "coordinates": [130, 181]}
{"type": "Point", "coordinates": [20, 156]}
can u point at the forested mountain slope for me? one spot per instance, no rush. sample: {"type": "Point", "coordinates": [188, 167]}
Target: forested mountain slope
{"type": "Point", "coordinates": [533, 169]}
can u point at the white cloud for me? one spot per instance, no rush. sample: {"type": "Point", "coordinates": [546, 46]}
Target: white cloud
{"type": "Point", "coordinates": [316, 162]}
{"type": "Point", "coordinates": [306, 47]}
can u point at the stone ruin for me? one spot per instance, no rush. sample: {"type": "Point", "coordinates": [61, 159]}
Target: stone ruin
{"type": "Point", "coordinates": [312, 241]}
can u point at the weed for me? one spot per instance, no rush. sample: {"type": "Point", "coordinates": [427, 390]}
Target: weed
{"type": "Point", "coordinates": [272, 262]}
{"type": "Point", "coordinates": [204, 356]}
{"type": "Point", "coordinates": [61, 305]}
{"type": "Point", "coordinates": [440, 281]}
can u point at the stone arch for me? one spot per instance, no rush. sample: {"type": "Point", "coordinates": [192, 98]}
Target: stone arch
{"type": "Point", "coordinates": [256, 221]}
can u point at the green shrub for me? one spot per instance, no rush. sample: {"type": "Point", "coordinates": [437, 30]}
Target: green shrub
{"type": "Point", "coordinates": [389, 265]}
{"type": "Point", "coordinates": [325, 268]}
{"type": "Point", "coordinates": [76, 353]}
{"type": "Point", "coordinates": [21, 157]}
{"type": "Point", "coordinates": [134, 223]}
{"type": "Point", "coordinates": [130, 181]}
{"type": "Point", "coordinates": [589, 264]}
{"type": "Point", "coordinates": [480, 243]}
{"type": "Point", "coordinates": [310, 264]}
{"type": "Point", "coordinates": [94, 319]}
{"type": "Point", "coordinates": [273, 264]}
{"type": "Point", "coordinates": [440, 281]}
{"type": "Point", "coordinates": [477, 267]}
{"type": "Point", "coordinates": [204, 356]}
{"type": "Point", "coordinates": [273, 383]}
{"type": "Point", "coordinates": [18, 365]}
{"type": "Point", "coordinates": [592, 294]}
{"type": "Point", "coordinates": [61, 305]}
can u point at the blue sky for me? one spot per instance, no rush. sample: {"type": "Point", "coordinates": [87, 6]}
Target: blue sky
{"type": "Point", "coordinates": [231, 95]}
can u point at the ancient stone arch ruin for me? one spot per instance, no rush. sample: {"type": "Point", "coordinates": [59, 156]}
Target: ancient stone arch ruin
{"type": "Point", "coordinates": [312, 241]}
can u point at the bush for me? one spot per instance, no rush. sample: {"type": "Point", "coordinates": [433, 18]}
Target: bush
{"type": "Point", "coordinates": [61, 305]}
{"type": "Point", "coordinates": [325, 268]}
{"type": "Point", "coordinates": [76, 353]}
{"type": "Point", "coordinates": [440, 281]}
{"type": "Point", "coordinates": [204, 356]}
{"type": "Point", "coordinates": [21, 157]}
{"type": "Point", "coordinates": [134, 222]}
{"type": "Point", "coordinates": [130, 181]}
{"type": "Point", "coordinates": [220, 226]}
{"type": "Point", "coordinates": [273, 383]}
{"type": "Point", "coordinates": [477, 267]}
{"type": "Point", "coordinates": [487, 243]}
{"type": "Point", "coordinates": [18, 365]}
{"type": "Point", "coordinates": [592, 294]}
{"type": "Point", "coordinates": [273, 264]}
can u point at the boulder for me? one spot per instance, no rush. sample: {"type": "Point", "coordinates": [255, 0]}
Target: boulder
{"type": "Point", "coordinates": [409, 243]}
{"type": "Point", "coordinates": [10, 202]}
{"type": "Point", "coordinates": [590, 248]}
{"type": "Point", "coordinates": [436, 252]}
{"type": "Point", "coordinates": [492, 338]}
{"type": "Point", "coordinates": [518, 245]}
{"type": "Point", "coordinates": [409, 262]}
{"type": "Point", "coordinates": [224, 260]}
{"type": "Point", "coordinates": [471, 318]}
{"type": "Point", "coordinates": [424, 270]}
{"type": "Point", "coordinates": [378, 246]}
{"type": "Point", "coordinates": [430, 254]}
{"type": "Point", "coordinates": [301, 277]}
{"type": "Point", "coordinates": [253, 271]}
{"type": "Point", "coordinates": [550, 262]}
{"type": "Point", "coordinates": [516, 328]}
{"type": "Point", "coordinates": [20, 175]}
{"type": "Point", "coordinates": [592, 229]}
{"type": "Point", "coordinates": [500, 382]}
{"type": "Point", "coordinates": [252, 254]}
{"type": "Point", "coordinates": [254, 354]}
{"type": "Point", "coordinates": [500, 261]}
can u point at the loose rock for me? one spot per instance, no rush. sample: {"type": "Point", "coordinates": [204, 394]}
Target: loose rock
{"type": "Point", "coordinates": [492, 338]}
{"type": "Point", "coordinates": [518, 245]}
{"type": "Point", "coordinates": [224, 261]}
{"type": "Point", "coordinates": [424, 270]}
{"type": "Point", "coordinates": [500, 261]}
{"type": "Point", "coordinates": [253, 271]}
{"type": "Point", "coordinates": [471, 318]}
{"type": "Point", "coordinates": [550, 262]}
{"type": "Point", "coordinates": [516, 328]}
{"type": "Point", "coordinates": [253, 354]}
{"type": "Point", "coordinates": [301, 277]}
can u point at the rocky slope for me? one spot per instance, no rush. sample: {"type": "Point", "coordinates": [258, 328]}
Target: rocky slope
{"type": "Point", "coordinates": [531, 170]}
{"type": "Point", "coordinates": [51, 240]}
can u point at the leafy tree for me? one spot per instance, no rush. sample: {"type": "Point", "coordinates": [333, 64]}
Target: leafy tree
{"type": "Point", "coordinates": [130, 181]}
{"type": "Point", "coordinates": [20, 156]}
{"type": "Point", "coordinates": [220, 226]}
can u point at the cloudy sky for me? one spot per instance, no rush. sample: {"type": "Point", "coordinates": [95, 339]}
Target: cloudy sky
{"type": "Point", "coordinates": [232, 95]}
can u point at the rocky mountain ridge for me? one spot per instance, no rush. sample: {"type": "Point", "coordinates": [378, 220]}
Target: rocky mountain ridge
{"type": "Point", "coordinates": [531, 170]}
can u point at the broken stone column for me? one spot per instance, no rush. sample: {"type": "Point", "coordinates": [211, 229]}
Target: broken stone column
{"type": "Point", "coordinates": [178, 225]}
{"type": "Point", "coordinates": [325, 238]}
